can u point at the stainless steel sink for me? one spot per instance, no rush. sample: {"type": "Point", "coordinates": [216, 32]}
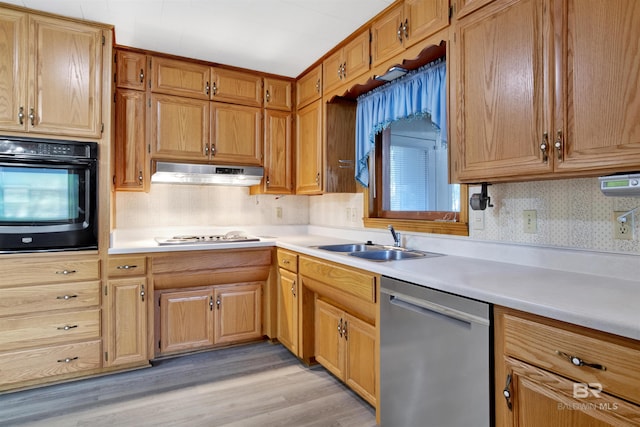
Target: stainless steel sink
{"type": "Point", "coordinates": [392, 254]}
{"type": "Point", "coordinates": [351, 247]}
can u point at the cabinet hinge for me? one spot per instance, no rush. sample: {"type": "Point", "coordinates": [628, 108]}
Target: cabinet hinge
{"type": "Point", "coordinates": [149, 102]}
{"type": "Point", "coordinates": [159, 344]}
{"type": "Point", "coordinates": [102, 128]}
{"type": "Point", "coordinates": [105, 290]}
{"type": "Point", "coordinates": [370, 36]}
{"type": "Point", "coordinates": [106, 356]}
{"type": "Point", "coordinates": [451, 11]}
{"type": "Point", "coordinates": [149, 151]}
{"type": "Point", "coordinates": [115, 79]}
{"type": "Point", "coordinates": [114, 98]}
{"type": "Point", "coordinates": [115, 58]}
{"type": "Point", "coordinates": [104, 40]}
{"type": "Point", "coordinates": [370, 59]}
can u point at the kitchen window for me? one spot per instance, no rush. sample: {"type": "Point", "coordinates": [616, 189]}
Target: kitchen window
{"type": "Point", "coordinates": [402, 156]}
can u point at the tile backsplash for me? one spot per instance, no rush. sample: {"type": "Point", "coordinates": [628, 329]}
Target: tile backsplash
{"type": "Point", "coordinates": [570, 213]}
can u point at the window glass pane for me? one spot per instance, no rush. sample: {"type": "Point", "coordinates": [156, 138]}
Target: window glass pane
{"type": "Point", "coordinates": [417, 165]}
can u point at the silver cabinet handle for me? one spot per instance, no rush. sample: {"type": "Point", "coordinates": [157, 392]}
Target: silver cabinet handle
{"type": "Point", "coordinates": [66, 327]}
{"type": "Point", "coordinates": [207, 88]}
{"type": "Point", "coordinates": [215, 88]}
{"type": "Point", "coordinates": [293, 288]}
{"type": "Point", "coordinates": [544, 147]}
{"type": "Point", "coordinates": [344, 330]}
{"type": "Point", "coordinates": [576, 361]}
{"type": "Point", "coordinates": [213, 149]}
{"type": "Point", "coordinates": [210, 303]}
{"type": "Point", "coordinates": [268, 96]}
{"type": "Point", "coordinates": [66, 297]}
{"type": "Point", "coordinates": [318, 86]}
{"type": "Point", "coordinates": [218, 302]}
{"type": "Point", "coordinates": [140, 177]}
{"type": "Point", "coordinates": [68, 360]}
{"type": "Point", "coordinates": [141, 75]}
{"type": "Point", "coordinates": [558, 145]}
{"type": "Point", "coordinates": [340, 328]}
{"type": "Point", "coordinates": [507, 392]}
{"type": "Point", "coordinates": [65, 272]}
{"type": "Point", "coordinates": [126, 267]}
{"type": "Point", "coordinates": [206, 150]}
{"type": "Point", "coordinates": [142, 293]}
{"type": "Point", "coordinates": [32, 116]}
{"type": "Point", "coordinates": [405, 28]}
{"type": "Point", "coordinates": [21, 115]}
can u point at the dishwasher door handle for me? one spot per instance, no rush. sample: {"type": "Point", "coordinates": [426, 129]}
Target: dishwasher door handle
{"type": "Point", "coordinates": [425, 307]}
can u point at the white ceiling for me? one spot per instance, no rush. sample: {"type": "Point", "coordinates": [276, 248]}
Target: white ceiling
{"type": "Point", "coordinates": [276, 36]}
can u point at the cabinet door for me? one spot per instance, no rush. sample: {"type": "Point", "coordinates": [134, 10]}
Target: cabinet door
{"type": "Point", "coordinates": [309, 149]}
{"type": "Point", "coordinates": [332, 72]}
{"type": "Point", "coordinates": [356, 56]}
{"type": "Point", "coordinates": [288, 310]}
{"type": "Point", "coordinates": [66, 72]}
{"type": "Point", "coordinates": [309, 87]}
{"type": "Point", "coordinates": [131, 70]}
{"type": "Point", "coordinates": [361, 353]}
{"type": "Point", "coordinates": [127, 321]}
{"type": "Point", "coordinates": [340, 132]}
{"type": "Point", "coordinates": [598, 109]}
{"type": "Point", "coordinates": [387, 36]}
{"type": "Point", "coordinates": [540, 398]}
{"type": "Point", "coordinates": [501, 94]}
{"type": "Point", "coordinates": [236, 87]}
{"type": "Point", "coordinates": [13, 72]}
{"type": "Point", "coordinates": [236, 134]}
{"type": "Point", "coordinates": [131, 168]}
{"type": "Point", "coordinates": [277, 146]}
{"type": "Point", "coordinates": [277, 94]}
{"type": "Point", "coordinates": [182, 78]}
{"type": "Point", "coordinates": [186, 320]}
{"type": "Point", "coordinates": [179, 127]}
{"type": "Point", "coordinates": [423, 18]}
{"type": "Point", "coordinates": [329, 332]}
{"type": "Point", "coordinates": [238, 312]}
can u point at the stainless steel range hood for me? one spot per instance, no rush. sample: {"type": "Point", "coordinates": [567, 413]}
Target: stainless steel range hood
{"type": "Point", "coordinates": [186, 173]}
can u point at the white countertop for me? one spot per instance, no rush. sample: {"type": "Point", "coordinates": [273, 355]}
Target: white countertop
{"type": "Point", "coordinates": [605, 303]}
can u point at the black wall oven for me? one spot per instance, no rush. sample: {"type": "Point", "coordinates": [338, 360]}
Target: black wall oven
{"type": "Point", "coordinates": [48, 195]}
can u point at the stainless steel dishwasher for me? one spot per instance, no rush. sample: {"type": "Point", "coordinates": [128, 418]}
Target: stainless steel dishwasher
{"type": "Point", "coordinates": [434, 358]}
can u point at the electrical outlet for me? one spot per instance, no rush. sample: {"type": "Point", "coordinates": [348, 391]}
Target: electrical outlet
{"type": "Point", "coordinates": [278, 212]}
{"type": "Point", "coordinates": [622, 230]}
{"type": "Point", "coordinates": [530, 221]}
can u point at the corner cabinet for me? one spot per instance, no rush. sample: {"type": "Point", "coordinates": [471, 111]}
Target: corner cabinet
{"type": "Point", "coordinates": [34, 97]}
{"type": "Point", "coordinates": [530, 112]}
{"type": "Point", "coordinates": [555, 374]}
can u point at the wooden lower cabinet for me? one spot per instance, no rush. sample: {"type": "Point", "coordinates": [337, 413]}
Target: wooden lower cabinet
{"type": "Point", "coordinates": [193, 319]}
{"type": "Point", "coordinates": [288, 310]}
{"type": "Point", "coordinates": [346, 346]}
{"type": "Point", "coordinates": [238, 312]}
{"type": "Point", "coordinates": [550, 373]}
{"type": "Point", "coordinates": [186, 320]}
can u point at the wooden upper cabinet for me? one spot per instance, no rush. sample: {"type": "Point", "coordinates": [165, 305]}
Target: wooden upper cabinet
{"type": "Point", "coordinates": [236, 134]}
{"type": "Point", "coordinates": [13, 72]}
{"type": "Point", "coordinates": [501, 99]}
{"type": "Point", "coordinates": [347, 63]}
{"type": "Point", "coordinates": [596, 107]}
{"type": "Point", "coordinates": [309, 87]}
{"type": "Point", "coordinates": [405, 25]}
{"type": "Point", "coordinates": [465, 7]}
{"type": "Point", "coordinates": [525, 103]}
{"type": "Point", "coordinates": [236, 87]}
{"type": "Point", "coordinates": [66, 72]}
{"type": "Point", "coordinates": [183, 78]}
{"type": "Point", "coordinates": [340, 132]}
{"type": "Point", "coordinates": [179, 128]}
{"type": "Point", "coordinates": [131, 70]}
{"type": "Point", "coordinates": [309, 149]}
{"type": "Point", "coordinates": [277, 94]}
{"type": "Point", "coordinates": [278, 155]}
{"type": "Point", "coordinates": [131, 166]}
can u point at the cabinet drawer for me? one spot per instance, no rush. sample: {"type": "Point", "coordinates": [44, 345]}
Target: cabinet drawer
{"type": "Point", "coordinates": [352, 281]}
{"type": "Point", "coordinates": [16, 332]}
{"type": "Point", "coordinates": [63, 296]}
{"type": "Point", "coordinates": [49, 361]}
{"type": "Point", "coordinates": [288, 260]}
{"type": "Point", "coordinates": [23, 272]}
{"type": "Point", "coordinates": [127, 266]}
{"type": "Point", "coordinates": [551, 346]}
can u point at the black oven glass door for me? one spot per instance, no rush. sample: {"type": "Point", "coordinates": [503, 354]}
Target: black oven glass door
{"type": "Point", "coordinates": [47, 205]}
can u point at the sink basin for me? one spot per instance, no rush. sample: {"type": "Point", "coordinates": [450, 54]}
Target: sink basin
{"type": "Point", "coordinates": [392, 254]}
{"type": "Point", "coordinates": [350, 247]}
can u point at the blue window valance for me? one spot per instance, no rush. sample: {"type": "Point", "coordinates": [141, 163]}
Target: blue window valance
{"type": "Point", "coordinates": [419, 93]}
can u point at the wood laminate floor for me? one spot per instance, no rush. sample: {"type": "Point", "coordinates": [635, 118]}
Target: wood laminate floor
{"type": "Point", "coordinates": [259, 384]}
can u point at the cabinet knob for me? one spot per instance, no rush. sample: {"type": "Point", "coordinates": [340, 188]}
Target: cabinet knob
{"type": "Point", "coordinates": [66, 297]}
{"type": "Point", "coordinates": [65, 272]}
{"type": "Point", "coordinates": [21, 115]}
{"type": "Point", "coordinates": [544, 147]}
{"type": "Point", "coordinates": [340, 328]}
{"type": "Point", "coordinates": [67, 360]}
{"type": "Point", "coordinates": [141, 75]}
{"type": "Point", "coordinates": [576, 361]}
{"type": "Point", "coordinates": [400, 33]}
{"type": "Point", "coordinates": [67, 327]}
{"type": "Point", "coordinates": [214, 88]}
{"type": "Point", "coordinates": [268, 96]}
{"type": "Point", "coordinates": [293, 288]}
{"type": "Point", "coordinates": [218, 302]}
{"type": "Point", "coordinates": [405, 28]}
{"type": "Point", "coordinates": [32, 116]}
{"type": "Point", "coordinates": [318, 86]}
{"type": "Point", "coordinates": [142, 293]}
{"type": "Point", "coordinates": [207, 88]}
{"type": "Point", "coordinates": [140, 177]}
{"type": "Point", "coordinates": [558, 145]}
{"type": "Point", "coordinates": [506, 392]}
